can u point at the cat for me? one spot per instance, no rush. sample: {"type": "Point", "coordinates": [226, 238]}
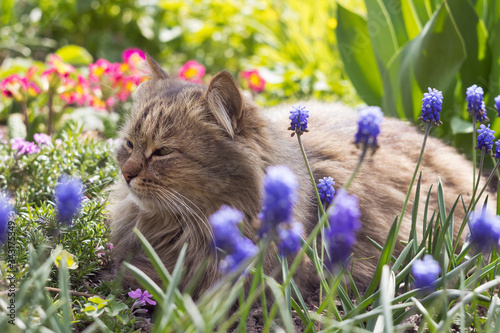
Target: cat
{"type": "Point", "coordinates": [187, 149]}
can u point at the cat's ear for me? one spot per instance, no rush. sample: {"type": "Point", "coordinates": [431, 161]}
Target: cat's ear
{"type": "Point", "coordinates": [155, 71]}
{"type": "Point", "coordinates": [225, 101]}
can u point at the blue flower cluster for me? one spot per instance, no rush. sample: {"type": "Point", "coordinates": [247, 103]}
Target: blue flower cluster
{"type": "Point", "coordinates": [280, 194]}
{"type": "Point", "coordinates": [484, 230]}
{"type": "Point", "coordinates": [344, 218]}
{"type": "Point", "coordinates": [326, 190]}
{"type": "Point", "coordinates": [497, 105]}
{"type": "Point", "coordinates": [369, 122]}
{"type": "Point", "coordinates": [298, 117]}
{"type": "Point", "coordinates": [5, 214]}
{"type": "Point", "coordinates": [475, 103]}
{"type": "Point", "coordinates": [485, 138]}
{"type": "Point", "coordinates": [228, 238]}
{"type": "Point", "coordinates": [425, 272]}
{"type": "Point", "coordinates": [69, 193]}
{"type": "Point", "coordinates": [497, 149]}
{"type": "Point", "coordinates": [432, 104]}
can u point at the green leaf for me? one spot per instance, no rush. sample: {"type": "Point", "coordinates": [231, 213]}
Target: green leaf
{"type": "Point", "coordinates": [75, 55]}
{"type": "Point", "coordinates": [356, 51]}
{"type": "Point", "coordinates": [460, 126]}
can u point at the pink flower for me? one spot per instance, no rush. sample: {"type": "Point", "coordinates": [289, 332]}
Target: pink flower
{"type": "Point", "coordinates": [63, 69]}
{"type": "Point", "coordinates": [23, 147]}
{"type": "Point", "coordinates": [133, 56]}
{"type": "Point", "coordinates": [42, 139]}
{"type": "Point", "coordinates": [254, 80]}
{"type": "Point", "coordinates": [18, 88]}
{"type": "Point", "coordinates": [141, 297]}
{"type": "Point", "coordinates": [192, 71]}
{"type": "Point", "coordinates": [98, 68]}
{"type": "Point", "coordinates": [58, 142]}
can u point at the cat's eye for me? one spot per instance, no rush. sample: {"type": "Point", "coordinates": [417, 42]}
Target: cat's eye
{"type": "Point", "coordinates": [162, 151]}
{"type": "Point", "coordinates": [130, 144]}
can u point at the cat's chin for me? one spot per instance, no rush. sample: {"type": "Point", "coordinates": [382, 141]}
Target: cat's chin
{"type": "Point", "coordinates": [140, 201]}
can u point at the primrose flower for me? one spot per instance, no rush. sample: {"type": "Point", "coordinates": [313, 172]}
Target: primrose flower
{"type": "Point", "coordinates": [244, 250]}
{"type": "Point", "coordinates": [224, 224]}
{"type": "Point", "coordinates": [18, 88]}
{"type": "Point", "coordinates": [289, 236]}
{"type": "Point", "coordinates": [23, 147]}
{"type": "Point", "coordinates": [475, 103]}
{"type": "Point", "coordinates": [142, 297]}
{"type": "Point", "coordinates": [133, 56]}
{"type": "Point", "coordinates": [298, 117]}
{"type": "Point", "coordinates": [326, 190]}
{"type": "Point", "coordinates": [6, 212]}
{"type": "Point", "coordinates": [62, 69]}
{"type": "Point", "coordinates": [485, 138]}
{"type": "Point", "coordinates": [344, 221]}
{"type": "Point", "coordinates": [280, 194]}
{"type": "Point", "coordinates": [432, 104]}
{"type": "Point", "coordinates": [192, 71]}
{"type": "Point", "coordinates": [254, 80]}
{"type": "Point", "coordinates": [426, 272]}
{"type": "Point", "coordinates": [42, 139]}
{"type": "Point", "coordinates": [68, 198]}
{"type": "Point", "coordinates": [98, 68]}
{"type": "Point", "coordinates": [369, 122]}
{"type": "Point", "coordinates": [484, 230]}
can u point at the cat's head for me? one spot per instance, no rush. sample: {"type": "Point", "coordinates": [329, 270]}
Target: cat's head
{"type": "Point", "coordinates": [186, 144]}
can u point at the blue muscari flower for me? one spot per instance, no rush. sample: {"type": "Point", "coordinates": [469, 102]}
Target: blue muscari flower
{"type": "Point", "coordinates": [432, 104]}
{"type": "Point", "coordinates": [485, 138]}
{"type": "Point", "coordinates": [475, 103]}
{"type": "Point", "coordinates": [326, 190]}
{"type": "Point", "coordinates": [280, 194]}
{"type": "Point", "coordinates": [244, 250]}
{"type": "Point", "coordinates": [344, 221]}
{"type": "Point", "coordinates": [484, 230]}
{"type": "Point", "coordinates": [68, 198]}
{"type": "Point", "coordinates": [425, 272]}
{"type": "Point", "coordinates": [369, 122]}
{"type": "Point", "coordinates": [224, 224]}
{"type": "Point", "coordinates": [298, 117]}
{"type": "Point", "coordinates": [290, 236]}
{"type": "Point", "coordinates": [6, 212]}
{"type": "Point", "coordinates": [497, 105]}
{"type": "Point", "coordinates": [497, 149]}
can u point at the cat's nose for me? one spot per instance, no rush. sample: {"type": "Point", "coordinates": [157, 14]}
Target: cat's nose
{"type": "Point", "coordinates": [128, 175]}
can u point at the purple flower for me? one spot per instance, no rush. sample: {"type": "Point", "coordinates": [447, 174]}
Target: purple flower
{"type": "Point", "coordinates": [485, 138]}
{"type": "Point", "coordinates": [22, 146]}
{"type": "Point", "coordinates": [224, 224]}
{"type": "Point", "coordinates": [484, 230]}
{"type": "Point", "coordinates": [497, 149]}
{"type": "Point", "coordinates": [475, 103]}
{"type": "Point", "coordinates": [326, 190]}
{"type": "Point", "coordinates": [432, 104]}
{"type": "Point", "coordinates": [42, 139]}
{"type": "Point", "coordinates": [280, 194]}
{"type": "Point", "coordinates": [6, 212]}
{"type": "Point", "coordinates": [244, 250]}
{"type": "Point", "coordinates": [344, 221]}
{"type": "Point", "coordinates": [290, 236]}
{"type": "Point", "coordinates": [298, 117]}
{"type": "Point", "coordinates": [369, 122]}
{"type": "Point", "coordinates": [425, 272]}
{"type": "Point", "coordinates": [68, 198]}
{"type": "Point", "coordinates": [142, 297]}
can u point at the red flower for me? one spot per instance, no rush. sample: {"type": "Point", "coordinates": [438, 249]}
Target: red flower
{"type": "Point", "coordinates": [254, 80]}
{"type": "Point", "coordinates": [192, 71]}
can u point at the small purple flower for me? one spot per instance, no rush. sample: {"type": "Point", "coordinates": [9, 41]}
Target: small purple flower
{"type": "Point", "coordinates": [244, 250]}
{"type": "Point", "coordinates": [68, 198]}
{"type": "Point", "coordinates": [326, 190]}
{"type": "Point", "coordinates": [224, 224]}
{"type": "Point", "coordinates": [344, 217]}
{"type": "Point", "coordinates": [497, 105]}
{"type": "Point", "coordinates": [425, 272]}
{"type": "Point", "coordinates": [6, 212]}
{"type": "Point", "coordinates": [485, 138]}
{"type": "Point", "coordinates": [58, 142]}
{"type": "Point", "coordinates": [298, 117]}
{"type": "Point", "coordinates": [369, 122]}
{"type": "Point", "coordinates": [432, 104]}
{"type": "Point", "coordinates": [142, 297]}
{"type": "Point", "coordinates": [484, 230]}
{"type": "Point", "coordinates": [475, 103]}
{"type": "Point", "coordinates": [290, 236]}
{"type": "Point", "coordinates": [280, 194]}
{"type": "Point", "coordinates": [497, 149]}
{"type": "Point", "coordinates": [42, 139]}
{"type": "Point", "coordinates": [23, 147]}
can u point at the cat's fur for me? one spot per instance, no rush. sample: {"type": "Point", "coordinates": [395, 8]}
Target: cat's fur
{"type": "Point", "coordinates": [221, 146]}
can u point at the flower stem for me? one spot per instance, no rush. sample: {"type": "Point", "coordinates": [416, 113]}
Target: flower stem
{"type": "Point", "coordinates": [356, 169]}
{"type": "Point", "coordinates": [24, 106]}
{"type": "Point", "coordinates": [473, 150]}
{"type": "Point", "coordinates": [50, 107]}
